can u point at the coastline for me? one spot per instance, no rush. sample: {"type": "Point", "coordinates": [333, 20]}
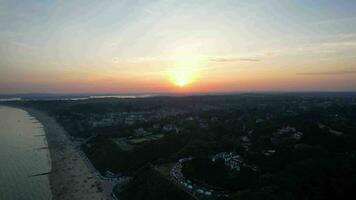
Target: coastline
{"type": "Point", "coordinates": [70, 177]}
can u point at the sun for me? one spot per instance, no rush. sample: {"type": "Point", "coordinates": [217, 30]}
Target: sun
{"type": "Point", "coordinates": [182, 76]}
{"type": "Point", "coordinates": [184, 73]}
{"type": "Point", "coordinates": [181, 82]}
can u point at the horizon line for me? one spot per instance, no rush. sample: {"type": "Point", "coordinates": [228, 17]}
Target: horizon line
{"type": "Point", "coordinates": [171, 93]}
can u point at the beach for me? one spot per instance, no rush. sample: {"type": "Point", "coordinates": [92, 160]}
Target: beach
{"type": "Point", "coordinates": [71, 178]}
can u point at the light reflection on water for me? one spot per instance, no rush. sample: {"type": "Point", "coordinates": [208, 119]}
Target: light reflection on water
{"type": "Point", "coordinates": [21, 140]}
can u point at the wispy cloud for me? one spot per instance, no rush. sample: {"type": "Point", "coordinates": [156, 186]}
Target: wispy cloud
{"type": "Point", "coordinates": [336, 21]}
{"type": "Point", "coordinates": [234, 60]}
{"type": "Point", "coordinates": [329, 73]}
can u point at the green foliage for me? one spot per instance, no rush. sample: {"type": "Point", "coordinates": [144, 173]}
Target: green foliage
{"type": "Point", "coordinates": [148, 184]}
{"type": "Point", "coordinates": [106, 155]}
{"type": "Point", "coordinates": [321, 165]}
{"type": "Point", "coordinates": [218, 176]}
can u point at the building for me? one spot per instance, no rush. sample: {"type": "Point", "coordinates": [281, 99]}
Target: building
{"type": "Point", "coordinates": [230, 159]}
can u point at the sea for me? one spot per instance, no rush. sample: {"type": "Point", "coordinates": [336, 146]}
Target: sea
{"type": "Point", "coordinates": [24, 157]}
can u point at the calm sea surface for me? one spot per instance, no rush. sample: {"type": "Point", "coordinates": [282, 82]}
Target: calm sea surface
{"type": "Point", "coordinates": [22, 156]}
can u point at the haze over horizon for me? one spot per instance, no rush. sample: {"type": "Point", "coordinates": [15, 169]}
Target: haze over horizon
{"type": "Point", "coordinates": [177, 46]}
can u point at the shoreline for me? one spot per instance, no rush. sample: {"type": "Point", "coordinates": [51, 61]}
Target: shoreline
{"type": "Point", "coordinates": [70, 178]}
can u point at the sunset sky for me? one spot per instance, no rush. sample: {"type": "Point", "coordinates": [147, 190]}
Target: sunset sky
{"type": "Point", "coordinates": [81, 46]}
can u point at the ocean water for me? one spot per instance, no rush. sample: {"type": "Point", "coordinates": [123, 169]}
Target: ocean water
{"type": "Point", "coordinates": [23, 154]}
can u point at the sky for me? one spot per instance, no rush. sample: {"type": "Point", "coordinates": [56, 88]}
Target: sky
{"type": "Point", "coordinates": [89, 46]}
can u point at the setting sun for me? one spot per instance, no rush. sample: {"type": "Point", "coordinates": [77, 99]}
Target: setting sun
{"type": "Point", "coordinates": [182, 76]}
{"type": "Point", "coordinates": [185, 72]}
{"type": "Point", "coordinates": [136, 97]}
{"type": "Point", "coordinates": [181, 82]}
{"type": "Point", "coordinates": [173, 46]}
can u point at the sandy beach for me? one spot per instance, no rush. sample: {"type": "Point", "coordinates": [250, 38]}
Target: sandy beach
{"type": "Point", "coordinates": [71, 177]}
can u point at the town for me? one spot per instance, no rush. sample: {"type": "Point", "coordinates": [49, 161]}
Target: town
{"type": "Point", "coordinates": [244, 146]}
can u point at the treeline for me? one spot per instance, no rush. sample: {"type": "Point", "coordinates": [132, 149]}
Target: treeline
{"type": "Point", "coordinates": [106, 155]}
{"type": "Point", "coordinates": [148, 184]}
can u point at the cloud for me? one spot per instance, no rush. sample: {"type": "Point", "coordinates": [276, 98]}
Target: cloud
{"type": "Point", "coordinates": [250, 59]}
{"type": "Point", "coordinates": [331, 44]}
{"type": "Point", "coordinates": [336, 21]}
{"type": "Point", "coordinates": [330, 73]}
{"type": "Point", "coordinates": [234, 59]}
